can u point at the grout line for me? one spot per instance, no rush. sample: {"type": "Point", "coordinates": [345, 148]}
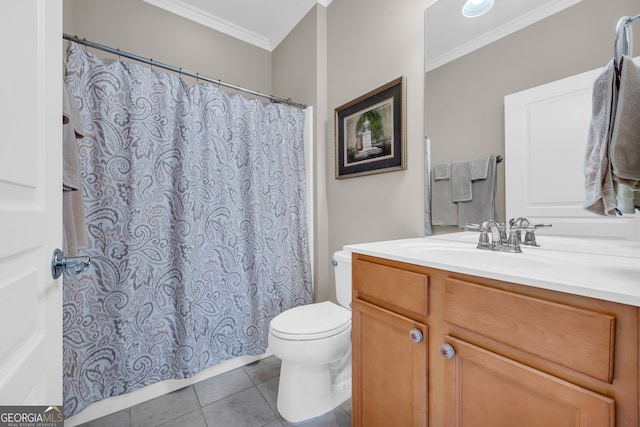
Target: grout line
{"type": "Point", "coordinates": [203, 417]}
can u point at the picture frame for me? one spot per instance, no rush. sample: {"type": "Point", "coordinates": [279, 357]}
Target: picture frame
{"type": "Point", "coordinates": [371, 132]}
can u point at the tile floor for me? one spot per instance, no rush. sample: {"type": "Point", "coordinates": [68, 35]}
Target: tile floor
{"type": "Point", "coordinates": [244, 397]}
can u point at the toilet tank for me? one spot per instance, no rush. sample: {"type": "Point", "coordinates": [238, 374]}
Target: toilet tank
{"type": "Point", "coordinates": [342, 271]}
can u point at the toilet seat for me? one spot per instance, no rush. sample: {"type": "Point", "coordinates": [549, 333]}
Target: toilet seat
{"type": "Point", "coordinates": [311, 322]}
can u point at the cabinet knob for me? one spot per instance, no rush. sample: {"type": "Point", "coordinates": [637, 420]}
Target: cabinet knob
{"type": "Point", "coordinates": [447, 351]}
{"type": "Point", "coordinates": [415, 335]}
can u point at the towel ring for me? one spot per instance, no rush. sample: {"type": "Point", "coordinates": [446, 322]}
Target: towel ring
{"type": "Point", "coordinates": [624, 38]}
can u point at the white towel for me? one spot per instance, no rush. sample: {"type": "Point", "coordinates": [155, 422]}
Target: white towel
{"type": "Point", "coordinates": [73, 214]}
{"type": "Point", "coordinates": [71, 128]}
{"type": "Point", "coordinates": [600, 191]}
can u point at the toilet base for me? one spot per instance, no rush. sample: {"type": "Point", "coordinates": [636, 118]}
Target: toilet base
{"type": "Point", "coordinates": [306, 391]}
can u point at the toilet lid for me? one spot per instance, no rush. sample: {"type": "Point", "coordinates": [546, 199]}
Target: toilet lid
{"type": "Point", "coordinates": [312, 321]}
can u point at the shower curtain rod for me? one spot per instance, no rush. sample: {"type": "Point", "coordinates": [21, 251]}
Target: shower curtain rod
{"type": "Point", "coordinates": [180, 70]}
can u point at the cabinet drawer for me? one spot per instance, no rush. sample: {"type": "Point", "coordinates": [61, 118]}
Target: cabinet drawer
{"type": "Point", "coordinates": [403, 289]}
{"type": "Point", "coordinates": [578, 339]}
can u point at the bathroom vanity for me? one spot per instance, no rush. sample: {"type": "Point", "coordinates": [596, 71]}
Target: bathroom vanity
{"type": "Point", "coordinates": [448, 335]}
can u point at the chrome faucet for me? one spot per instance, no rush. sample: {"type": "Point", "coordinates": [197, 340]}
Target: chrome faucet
{"type": "Point", "coordinates": [499, 240]}
{"type": "Point", "coordinates": [523, 224]}
{"type": "Point", "coordinates": [496, 239]}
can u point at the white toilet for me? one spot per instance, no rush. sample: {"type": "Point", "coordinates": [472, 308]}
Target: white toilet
{"type": "Point", "coordinates": [314, 343]}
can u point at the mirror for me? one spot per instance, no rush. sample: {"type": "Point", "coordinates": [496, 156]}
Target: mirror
{"type": "Point", "coordinates": [464, 97]}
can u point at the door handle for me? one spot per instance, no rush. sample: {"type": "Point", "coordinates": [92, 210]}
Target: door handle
{"type": "Point", "coordinates": [61, 263]}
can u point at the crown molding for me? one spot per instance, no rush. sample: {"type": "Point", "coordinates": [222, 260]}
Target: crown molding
{"type": "Point", "coordinates": [499, 32]}
{"type": "Point", "coordinates": [187, 11]}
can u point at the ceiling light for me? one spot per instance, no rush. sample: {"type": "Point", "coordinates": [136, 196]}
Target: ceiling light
{"type": "Point", "coordinates": [473, 8]}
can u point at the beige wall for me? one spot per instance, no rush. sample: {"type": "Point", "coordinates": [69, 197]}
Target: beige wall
{"type": "Point", "coordinates": [464, 113]}
{"type": "Point", "coordinates": [370, 43]}
{"type": "Point", "coordinates": [140, 28]}
{"type": "Point", "coordinates": [299, 70]}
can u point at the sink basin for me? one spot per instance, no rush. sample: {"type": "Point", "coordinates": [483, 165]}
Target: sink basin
{"type": "Point", "coordinates": [468, 255]}
{"type": "Point", "coordinates": [590, 246]}
{"type": "Point", "coordinates": [561, 243]}
{"type": "Point", "coordinates": [483, 258]}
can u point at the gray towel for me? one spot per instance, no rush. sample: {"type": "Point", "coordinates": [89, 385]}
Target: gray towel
{"type": "Point", "coordinates": [441, 171]}
{"type": "Point", "coordinates": [484, 205]}
{"type": "Point", "coordinates": [443, 210]}
{"type": "Point", "coordinates": [479, 168]}
{"type": "Point", "coordinates": [600, 192]}
{"type": "Point", "coordinates": [461, 182]}
{"type": "Point", "coordinates": [624, 149]}
{"type": "Point", "coordinates": [625, 199]}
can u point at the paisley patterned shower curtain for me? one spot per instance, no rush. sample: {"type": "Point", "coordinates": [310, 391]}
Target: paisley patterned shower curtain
{"type": "Point", "coordinates": [196, 215]}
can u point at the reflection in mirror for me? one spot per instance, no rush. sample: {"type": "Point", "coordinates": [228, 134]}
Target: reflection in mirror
{"type": "Point", "coordinates": [465, 96]}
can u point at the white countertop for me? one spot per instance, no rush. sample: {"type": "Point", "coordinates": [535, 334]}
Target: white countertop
{"type": "Point", "coordinates": [603, 269]}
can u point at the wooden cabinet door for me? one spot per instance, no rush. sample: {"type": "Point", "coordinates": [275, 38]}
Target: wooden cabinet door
{"type": "Point", "coordinates": [389, 368]}
{"type": "Point", "coordinates": [485, 389]}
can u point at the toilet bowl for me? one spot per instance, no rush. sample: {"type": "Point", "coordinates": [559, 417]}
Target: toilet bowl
{"type": "Point", "coordinates": [314, 343]}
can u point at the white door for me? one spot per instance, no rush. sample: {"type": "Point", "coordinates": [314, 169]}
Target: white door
{"type": "Point", "coordinates": [30, 202]}
{"type": "Point", "coordinates": [545, 140]}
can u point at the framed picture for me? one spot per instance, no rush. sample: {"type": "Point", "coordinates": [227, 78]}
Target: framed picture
{"type": "Point", "coordinates": [370, 132]}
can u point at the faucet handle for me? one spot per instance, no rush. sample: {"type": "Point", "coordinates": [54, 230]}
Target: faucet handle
{"type": "Point", "coordinates": [502, 228]}
{"type": "Point", "coordinates": [513, 243]}
{"type": "Point", "coordinates": [483, 241]}
{"type": "Point", "coordinates": [529, 237]}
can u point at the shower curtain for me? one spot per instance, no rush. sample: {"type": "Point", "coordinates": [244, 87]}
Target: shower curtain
{"type": "Point", "coordinates": [196, 216]}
